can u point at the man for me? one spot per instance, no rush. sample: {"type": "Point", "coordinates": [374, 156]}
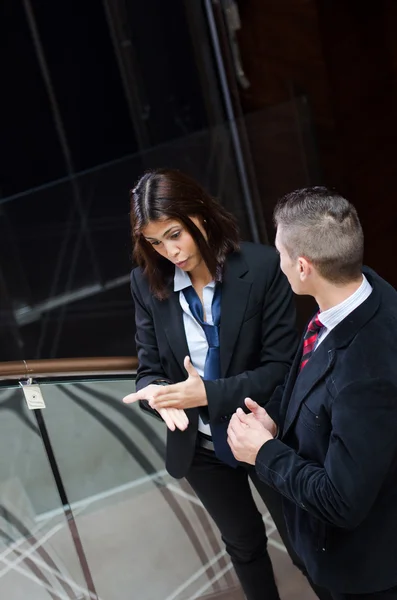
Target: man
{"type": "Point", "coordinates": [328, 440]}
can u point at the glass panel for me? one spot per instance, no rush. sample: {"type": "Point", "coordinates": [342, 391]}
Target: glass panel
{"type": "Point", "coordinates": [145, 535]}
{"type": "Point", "coordinates": [79, 304]}
{"type": "Point", "coordinates": [38, 558]}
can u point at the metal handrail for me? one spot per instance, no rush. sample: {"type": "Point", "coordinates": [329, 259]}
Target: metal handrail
{"type": "Point", "coordinates": [112, 365]}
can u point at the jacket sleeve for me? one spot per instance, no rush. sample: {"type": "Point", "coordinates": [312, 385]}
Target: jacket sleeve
{"type": "Point", "coordinates": [149, 365]}
{"type": "Point", "coordinates": [363, 445]}
{"type": "Point", "coordinates": [279, 343]}
{"type": "Point", "coordinates": [273, 406]}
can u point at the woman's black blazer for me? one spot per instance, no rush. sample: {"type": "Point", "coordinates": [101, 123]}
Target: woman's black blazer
{"type": "Point", "coordinates": [258, 340]}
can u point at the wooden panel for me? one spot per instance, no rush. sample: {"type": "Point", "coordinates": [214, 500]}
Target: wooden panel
{"type": "Point", "coordinates": [343, 55]}
{"type": "Point", "coordinates": [282, 53]}
{"type": "Point", "coordinates": [362, 66]}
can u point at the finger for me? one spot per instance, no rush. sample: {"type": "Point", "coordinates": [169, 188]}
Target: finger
{"type": "Point", "coordinates": [175, 414]}
{"type": "Point", "coordinates": [162, 404]}
{"type": "Point", "coordinates": [235, 417]}
{"type": "Point", "coordinates": [133, 397]}
{"type": "Point", "coordinates": [183, 416]}
{"type": "Point", "coordinates": [167, 419]}
{"type": "Point", "coordinates": [235, 424]}
{"type": "Point", "coordinates": [254, 407]}
{"type": "Point", "coordinates": [179, 417]}
{"type": "Point", "coordinates": [179, 425]}
{"type": "Point", "coordinates": [165, 391]}
{"type": "Point", "coordinates": [247, 418]}
{"type": "Point", "coordinates": [246, 421]}
{"type": "Point", "coordinates": [167, 403]}
{"type": "Point", "coordinates": [231, 438]}
{"type": "Point", "coordinates": [243, 418]}
{"type": "Point", "coordinates": [251, 404]}
{"type": "Point", "coordinates": [164, 395]}
{"type": "Point", "coordinates": [191, 371]}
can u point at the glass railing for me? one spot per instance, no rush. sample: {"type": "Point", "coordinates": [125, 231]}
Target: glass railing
{"type": "Point", "coordinates": [88, 510]}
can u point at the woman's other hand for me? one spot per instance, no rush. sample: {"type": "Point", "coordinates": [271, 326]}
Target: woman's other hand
{"type": "Point", "coordinates": [186, 394]}
{"type": "Point", "coordinates": [174, 418]}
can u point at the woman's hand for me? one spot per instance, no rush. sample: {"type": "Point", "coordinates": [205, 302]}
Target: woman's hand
{"type": "Point", "coordinates": [146, 393]}
{"type": "Point", "coordinates": [186, 394]}
{"type": "Point", "coordinates": [172, 417]}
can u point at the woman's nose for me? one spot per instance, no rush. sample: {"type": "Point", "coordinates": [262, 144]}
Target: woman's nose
{"type": "Point", "coordinates": [172, 250]}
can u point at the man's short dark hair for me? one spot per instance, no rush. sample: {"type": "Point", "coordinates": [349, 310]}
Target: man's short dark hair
{"type": "Point", "coordinates": [322, 226]}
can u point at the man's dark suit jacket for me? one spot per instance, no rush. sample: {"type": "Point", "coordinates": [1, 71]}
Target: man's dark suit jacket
{"type": "Point", "coordinates": [257, 341]}
{"type": "Point", "coordinates": [335, 459]}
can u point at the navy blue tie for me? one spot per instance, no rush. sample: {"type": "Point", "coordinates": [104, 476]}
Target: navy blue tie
{"type": "Point", "coordinates": [212, 367]}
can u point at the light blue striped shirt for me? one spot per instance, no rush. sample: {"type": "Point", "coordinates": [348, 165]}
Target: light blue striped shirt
{"type": "Point", "coordinates": [333, 316]}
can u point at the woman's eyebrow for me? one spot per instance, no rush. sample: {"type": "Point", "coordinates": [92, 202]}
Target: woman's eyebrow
{"type": "Point", "coordinates": [164, 234]}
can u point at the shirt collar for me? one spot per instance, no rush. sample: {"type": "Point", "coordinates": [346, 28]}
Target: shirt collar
{"type": "Point", "coordinates": [333, 316]}
{"type": "Point", "coordinates": [182, 280]}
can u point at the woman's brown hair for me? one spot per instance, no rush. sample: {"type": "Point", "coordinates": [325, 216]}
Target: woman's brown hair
{"type": "Point", "coordinates": [170, 194]}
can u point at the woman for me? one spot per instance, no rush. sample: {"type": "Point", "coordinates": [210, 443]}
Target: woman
{"type": "Point", "coordinates": [214, 324]}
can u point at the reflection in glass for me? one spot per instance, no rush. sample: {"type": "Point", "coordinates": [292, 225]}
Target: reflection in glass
{"type": "Point", "coordinates": [37, 553]}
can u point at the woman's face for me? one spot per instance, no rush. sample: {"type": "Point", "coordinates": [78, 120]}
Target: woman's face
{"type": "Point", "coordinates": [170, 239]}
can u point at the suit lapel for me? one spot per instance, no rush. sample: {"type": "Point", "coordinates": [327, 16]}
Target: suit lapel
{"type": "Point", "coordinates": [289, 387]}
{"type": "Point", "coordinates": [172, 319]}
{"type": "Point", "coordinates": [235, 294]}
{"type": "Point", "coordinates": [301, 383]}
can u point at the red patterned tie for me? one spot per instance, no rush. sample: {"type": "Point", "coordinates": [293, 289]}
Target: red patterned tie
{"type": "Point", "coordinates": [310, 339]}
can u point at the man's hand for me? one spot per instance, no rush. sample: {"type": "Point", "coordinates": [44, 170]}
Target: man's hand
{"type": "Point", "coordinates": [261, 415]}
{"type": "Point", "coordinates": [246, 436]}
{"type": "Point", "coordinates": [186, 394]}
{"type": "Point", "coordinates": [172, 417]}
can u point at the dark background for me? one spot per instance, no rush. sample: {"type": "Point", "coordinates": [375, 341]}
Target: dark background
{"type": "Point", "coordinates": [95, 93]}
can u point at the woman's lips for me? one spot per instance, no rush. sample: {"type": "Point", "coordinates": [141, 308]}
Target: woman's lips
{"type": "Point", "coordinates": [181, 263]}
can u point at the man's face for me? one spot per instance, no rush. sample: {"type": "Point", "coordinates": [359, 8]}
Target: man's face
{"type": "Point", "coordinates": [290, 268]}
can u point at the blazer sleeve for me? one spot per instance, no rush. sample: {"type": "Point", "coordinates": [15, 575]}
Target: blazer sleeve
{"type": "Point", "coordinates": [149, 365]}
{"type": "Point", "coordinates": [279, 344]}
{"type": "Point", "coordinates": [363, 446]}
{"type": "Point", "coordinates": [273, 406]}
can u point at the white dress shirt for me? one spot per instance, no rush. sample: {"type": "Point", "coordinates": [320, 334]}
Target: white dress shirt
{"type": "Point", "coordinates": [195, 336]}
{"type": "Point", "coordinates": [333, 316]}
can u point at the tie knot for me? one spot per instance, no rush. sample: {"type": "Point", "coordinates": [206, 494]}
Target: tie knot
{"type": "Point", "coordinates": [315, 324]}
